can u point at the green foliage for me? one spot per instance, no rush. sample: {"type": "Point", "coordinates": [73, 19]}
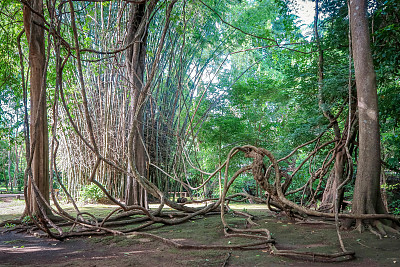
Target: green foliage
{"type": "Point", "coordinates": [394, 206]}
{"type": "Point", "coordinates": [386, 38]}
{"type": "Point", "coordinates": [393, 195]}
{"type": "Point", "coordinates": [11, 135]}
{"type": "Point", "coordinates": [244, 183]}
{"type": "Point", "coordinates": [9, 225]}
{"type": "Point", "coordinates": [91, 193]}
{"type": "Point", "coordinates": [386, 47]}
{"type": "Point", "coordinates": [26, 220]}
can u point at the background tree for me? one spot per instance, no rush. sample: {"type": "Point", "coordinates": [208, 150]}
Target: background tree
{"type": "Point", "coordinates": [11, 118]}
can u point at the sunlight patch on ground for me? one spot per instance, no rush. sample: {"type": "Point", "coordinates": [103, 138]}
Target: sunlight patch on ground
{"type": "Point", "coordinates": [232, 206]}
{"type": "Point", "coordinates": [17, 250]}
{"type": "Point", "coordinates": [104, 258]}
{"type": "Point", "coordinates": [139, 251]}
{"type": "Point", "coordinates": [248, 206]}
{"type": "Point", "coordinates": [11, 207]}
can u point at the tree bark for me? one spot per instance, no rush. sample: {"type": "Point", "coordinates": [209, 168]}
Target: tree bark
{"type": "Point", "coordinates": [16, 169]}
{"type": "Point", "coordinates": [367, 197]}
{"type": "Point", "coordinates": [9, 183]}
{"type": "Point", "coordinates": [136, 54]}
{"type": "Point", "coordinates": [334, 180]}
{"type": "Point", "coordinates": [39, 132]}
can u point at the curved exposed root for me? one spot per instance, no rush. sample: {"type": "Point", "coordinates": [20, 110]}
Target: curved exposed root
{"type": "Point", "coordinates": [322, 257]}
{"type": "Point", "coordinates": [384, 229]}
{"type": "Point", "coordinates": [248, 246]}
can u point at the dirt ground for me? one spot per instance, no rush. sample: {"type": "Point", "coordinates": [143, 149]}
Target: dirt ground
{"type": "Point", "coordinates": [20, 249]}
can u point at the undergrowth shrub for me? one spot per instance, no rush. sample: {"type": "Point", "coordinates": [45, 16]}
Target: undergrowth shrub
{"type": "Point", "coordinates": [92, 193]}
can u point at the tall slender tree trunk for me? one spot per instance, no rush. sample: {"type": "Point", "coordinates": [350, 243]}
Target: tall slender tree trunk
{"type": "Point", "coordinates": [40, 165]}
{"type": "Point", "coordinates": [367, 195]}
{"type": "Point", "coordinates": [9, 170]}
{"type": "Point", "coordinates": [16, 169]}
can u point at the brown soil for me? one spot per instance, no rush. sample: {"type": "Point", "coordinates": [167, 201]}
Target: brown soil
{"type": "Point", "coordinates": [17, 249]}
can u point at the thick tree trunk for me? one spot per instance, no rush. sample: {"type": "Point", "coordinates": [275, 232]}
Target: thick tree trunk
{"type": "Point", "coordinates": [367, 196]}
{"type": "Point", "coordinates": [136, 54]}
{"type": "Point", "coordinates": [39, 133]}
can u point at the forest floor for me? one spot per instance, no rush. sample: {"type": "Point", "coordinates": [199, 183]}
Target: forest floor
{"type": "Point", "coordinates": [18, 249]}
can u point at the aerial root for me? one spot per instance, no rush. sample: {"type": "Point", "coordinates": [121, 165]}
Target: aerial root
{"type": "Point", "coordinates": [313, 256]}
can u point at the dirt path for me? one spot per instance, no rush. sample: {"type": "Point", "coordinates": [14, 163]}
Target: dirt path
{"type": "Point", "coordinates": [21, 249]}
{"type": "Point", "coordinates": [24, 250]}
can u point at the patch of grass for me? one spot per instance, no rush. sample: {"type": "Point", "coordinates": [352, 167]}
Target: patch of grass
{"type": "Point", "coordinates": [204, 231]}
{"type": "Point", "coordinates": [98, 210]}
{"type": "Point", "coordinates": [105, 240]}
